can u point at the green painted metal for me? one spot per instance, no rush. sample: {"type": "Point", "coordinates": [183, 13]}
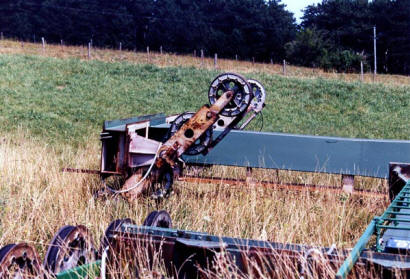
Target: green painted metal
{"type": "Point", "coordinates": [402, 202]}
{"type": "Point", "coordinates": [393, 228]}
{"type": "Point", "coordinates": [397, 219]}
{"type": "Point", "coordinates": [119, 124]}
{"type": "Point", "coordinates": [356, 251]}
{"type": "Point", "coordinates": [364, 157]}
{"type": "Point", "coordinates": [377, 225]}
{"type": "Point", "coordinates": [89, 271]}
{"type": "Point", "coordinates": [351, 156]}
{"type": "Point", "coordinates": [397, 213]}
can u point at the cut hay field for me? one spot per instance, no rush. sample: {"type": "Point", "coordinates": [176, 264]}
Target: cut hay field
{"type": "Point", "coordinates": [51, 112]}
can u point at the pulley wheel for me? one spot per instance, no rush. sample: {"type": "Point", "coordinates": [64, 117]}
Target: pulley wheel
{"type": "Point", "coordinates": [113, 226]}
{"type": "Point", "coordinates": [71, 247]}
{"type": "Point", "coordinates": [19, 261]}
{"type": "Point", "coordinates": [231, 82]}
{"type": "Point", "coordinates": [160, 219]}
{"type": "Point", "coordinates": [258, 101]}
{"type": "Point", "coordinates": [200, 145]}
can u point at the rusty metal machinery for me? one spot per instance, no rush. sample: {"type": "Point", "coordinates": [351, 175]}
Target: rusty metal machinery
{"type": "Point", "coordinates": [71, 246]}
{"type": "Point", "coordinates": [149, 163]}
{"type": "Point", "coordinates": [128, 250]}
{"type": "Point", "coordinates": [146, 154]}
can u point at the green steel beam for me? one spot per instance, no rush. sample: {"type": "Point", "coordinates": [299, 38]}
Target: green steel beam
{"type": "Point", "coordinates": [394, 227]}
{"type": "Point", "coordinates": [364, 157]}
{"type": "Point", "coordinates": [397, 213]}
{"type": "Point", "coordinates": [89, 271]}
{"type": "Point", "coordinates": [375, 225]}
{"type": "Point", "coordinates": [356, 251]}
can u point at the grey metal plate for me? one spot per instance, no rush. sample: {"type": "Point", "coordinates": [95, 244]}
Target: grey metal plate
{"type": "Point", "coordinates": [364, 157]}
{"type": "Point", "coordinates": [119, 124]}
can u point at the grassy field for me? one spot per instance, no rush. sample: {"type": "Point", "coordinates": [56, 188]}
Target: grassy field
{"type": "Point", "coordinates": [174, 60]}
{"type": "Point", "coordinates": [67, 100]}
{"type": "Point", "coordinates": [51, 112]}
{"type": "Point", "coordinates": [37, 198]}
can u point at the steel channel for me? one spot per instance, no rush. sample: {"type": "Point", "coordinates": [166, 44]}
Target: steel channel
{"type": "Point", "coordinates": [281, 186]}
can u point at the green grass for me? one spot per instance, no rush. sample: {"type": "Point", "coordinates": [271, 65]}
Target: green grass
{"type": "Point", "coordinates": [67, 100]}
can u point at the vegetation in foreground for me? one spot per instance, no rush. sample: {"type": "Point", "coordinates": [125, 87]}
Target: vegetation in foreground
{"type": "Point", "coordinates": [50, 115]}
{"type": "Point", "coordinates": [37, 198]}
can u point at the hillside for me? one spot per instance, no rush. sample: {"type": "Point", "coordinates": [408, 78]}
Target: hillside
{"type": "Point", "coordinates": [68, 99]}
{"type": "Point", "coordinates": [174, 60]}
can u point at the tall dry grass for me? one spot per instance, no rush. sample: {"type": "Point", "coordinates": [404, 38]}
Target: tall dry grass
{"type": "Point", "coordinates": [37, 198]}
{"type": "Point", "coordinates": [169, 59]}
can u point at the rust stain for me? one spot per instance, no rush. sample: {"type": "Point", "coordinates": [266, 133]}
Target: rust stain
{"type": "Point", "coordinates": [280, 186]}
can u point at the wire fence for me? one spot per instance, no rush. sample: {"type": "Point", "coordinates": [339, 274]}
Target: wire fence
{"type": "Point", "coordinates": [199, 59]}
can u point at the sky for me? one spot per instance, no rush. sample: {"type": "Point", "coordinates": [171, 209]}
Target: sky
{"type": "Point", "coordinates": [295, 6]}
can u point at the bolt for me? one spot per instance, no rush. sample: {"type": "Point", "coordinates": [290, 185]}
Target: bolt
{"type": "Point", "coordinates": [208, 114]}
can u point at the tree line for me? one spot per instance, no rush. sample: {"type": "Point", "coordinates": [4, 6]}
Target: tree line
{"type": "Point", "coordinates": [335, 34]}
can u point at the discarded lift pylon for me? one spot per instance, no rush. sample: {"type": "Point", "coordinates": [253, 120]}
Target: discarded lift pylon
{"type": "Point", "coordinates": [149, 161]}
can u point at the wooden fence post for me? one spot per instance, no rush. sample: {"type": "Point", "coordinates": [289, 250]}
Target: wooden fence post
{"type": "Point", "coordinates": [1, 36]}
{"type": "Point", "coordinates": [22, 44]}
{"type": "Point", "coordinates": [236, 57]}
{"type": "Point", "coordinates": [148, 58]}
{"type": "Point", "coordinates": [216, 60]}
{"type": "Point", "coordinates": [44, 44]}
{"type": "Point", "coordinates": [194, 52]}
{"type": "Point", "coordinates": [347, 183]}
{"type": "Point", "coordinates": [284, 67]}
{"type": "Point", "coordinates": [250, 181]}
{"type": "Point", "coordinates": [361, 71]}
{"type": "Point", "coordinates": [89, 50]}
{"type": "Point", "coordinates": [160, 50]}
{"type": "Point", "coordinates": [202, 57]}
{"type": "Point", "coordinates": [120, 46]}
{"type": "Point", "coordinates": [253, 61]}
{"type": "Point", "coordinates": [271, 61]}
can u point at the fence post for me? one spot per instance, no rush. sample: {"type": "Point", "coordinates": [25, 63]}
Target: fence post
{"type": "Point", "coordinates": [148, 58]}
{"type": "Point", "coordinates": [160, 50]}
{"type": "Point", "coordinates": [250, 181]}
{"type": "Point", "coordinates": [347, 183]}
{"type": "Point", "coordinates": [89, 50]}
{"type": "Point", "coordinates": [120, 46]}
{"type": "Point", "coordinates": [271, 61]}
{"type": "Point", "coordinates": [194, 52]}
{"type": "Point", "coordinates": [253, 61]}
{"type": "Point", "coordinates": [1, 36]}
{"type": "Point", "coordinates": [44, 44]}
{"type": "Point", "coordinates": [236, 57]}
{"type": "Point", "coordinates": [284, 67]}
{"type": "Point", "coordinates": [202, 57]}
{"type": "Point", "coordinates": [22, 44]}
{"type": "Point", "coordinates": [361, 71]}
{"type": "Point", "coordinates": [216, 60]}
